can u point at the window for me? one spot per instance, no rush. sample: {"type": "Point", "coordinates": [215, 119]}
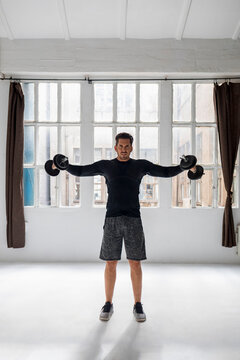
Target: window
{"type": "Point", "coordinates": [51, 126]}
{"type": "Point", "coordinates": [194, 131]}
{"type": "Point", "coordinates": [132, 108]}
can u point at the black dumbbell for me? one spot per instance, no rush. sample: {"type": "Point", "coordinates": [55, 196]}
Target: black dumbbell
{"type": "Point", "coordinates": [188, 162]}
{"type": "Point", "coordinates": [197, 174]}
{"type": "Point", "coordinates": [49, 169]}
{"type": "Point", "coordinates": [61, 163]}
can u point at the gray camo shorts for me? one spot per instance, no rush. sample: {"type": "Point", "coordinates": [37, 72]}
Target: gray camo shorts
{"type": "Point", "coordinates": [114, 230]}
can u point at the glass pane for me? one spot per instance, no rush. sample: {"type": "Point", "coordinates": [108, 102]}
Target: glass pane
{"type": "Point", "coordinates": [131, 131]}
{"type": "Point", "coordinates": [204, 190]}
{"type": "Point", "coordinates": [28, 144]}
{"type": "Point", "coordinates": [28, 186]}
{"type": "Point", "coordinates": [148, 195]}
{"type": "Point", "coordinates": [182, 96]}
{"type": "Point", "coordinates": [149, 102]}
{"type": "Point", "coordinates": [47, 143]}
{"type": "Point", "coordinates": [71, 143]}
{"type": "Point", "coordinates": [102, 143]}
{"type": "Point", "coordinates": [70, 189]}
{"type": "Point", "coordinates": [28, 91]}
{"type": "Point", "coordinates": [148, 145]}
{"type": "Point", "coordinates": [103, 102]}
{"type": "Point", "coordinates": [181, 143]}
{"type": "Point", "coordinates": [70, 102]}
{"type": "Point", "coordinates": [47, 102]}
{"type": "Point", "coordinates": [47, 189]}
{"type": "Point", "coordinates": [222, 194]}
{"type": "Point", "coordinates": [126, 94]}
{"type": "Point", "coordinates": [102, 150]}
{"type": "Point", "coordinates": [205, 144]}
{"type": "Point", "coordinates": [204, 103]}
{"type": "Point", "coordinates": [181, 191]}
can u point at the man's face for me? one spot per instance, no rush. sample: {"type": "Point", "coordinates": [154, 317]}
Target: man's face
{"type": "Point", "coordinates": [123, 149]}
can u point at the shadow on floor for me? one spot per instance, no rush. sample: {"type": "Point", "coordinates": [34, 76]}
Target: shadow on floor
{"type": "Point", "coordinates": [126, 347]}
{"type": "Point", "coordinates": [93, 343]}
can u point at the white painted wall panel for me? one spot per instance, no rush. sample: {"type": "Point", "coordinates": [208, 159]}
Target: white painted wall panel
{"type": "Point", "coordinates": [214, 19]}
{"type": "Point", "coordinates": [3, 33]}
{"type": "Point", "coordinates": [93, 19]}
{"type": "Point", "coordinates": [152, 19]}
{"type": "Point", "coordinates": [33, 19]}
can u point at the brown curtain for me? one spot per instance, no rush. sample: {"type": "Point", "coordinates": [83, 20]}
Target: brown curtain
{"type": "Point", "coordinates": [14, 168]}
{"type": "Point", "coordinates": [226, 99]}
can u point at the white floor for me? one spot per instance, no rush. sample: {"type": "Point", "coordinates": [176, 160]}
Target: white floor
{"type": "Point", "coordinates": [50, 312]}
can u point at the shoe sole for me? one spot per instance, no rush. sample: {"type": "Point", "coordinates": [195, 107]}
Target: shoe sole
{"type": "Point", "coordinates": [105, 319]}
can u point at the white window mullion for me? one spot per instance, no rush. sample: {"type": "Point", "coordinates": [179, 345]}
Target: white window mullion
{"type": "Point", "coordinates": [165, 193]}
{"type": "Point", "coordinates": [87, 143]}
{"type": "Point", "coordinates": [59, 144]}
{"type": "Point", "coordinates": [159, 120]}
{"type": "Point", "coordinates": [37, 167]}
{"type": "Point", "coordinates": [36, 144]}
{"type": "Point", "coordinates": [137, 121]}
{"type": "Point", "coordinates": [215, 172]}
{"type": "Point", "coordinates": [193, 135]}
{"type": "Point", "coordinates": [114, 119]}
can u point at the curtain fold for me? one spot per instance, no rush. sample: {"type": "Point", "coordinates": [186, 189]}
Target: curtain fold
{"type": "Point", "coordinates": [14, 168]}
{"type": "Point", "coordinates": [226, 98]}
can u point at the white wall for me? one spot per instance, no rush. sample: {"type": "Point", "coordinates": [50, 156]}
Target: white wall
{"type": "Point", "coordinates": [114, 55]}
{"type": "Point", "coordinates": [172, 235]}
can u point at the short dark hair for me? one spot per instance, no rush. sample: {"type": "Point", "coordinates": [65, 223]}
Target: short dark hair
{"type": "Point", "coordinates": [124, 135]}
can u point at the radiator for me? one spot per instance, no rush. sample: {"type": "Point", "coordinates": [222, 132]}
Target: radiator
{"type": "Point", "coordinates": [238, 239]}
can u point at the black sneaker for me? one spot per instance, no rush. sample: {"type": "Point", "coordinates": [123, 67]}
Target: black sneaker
{"type": "Point", "coordinates": [138, 312]}
{"type": "Point", "coordinates": [106, 312]}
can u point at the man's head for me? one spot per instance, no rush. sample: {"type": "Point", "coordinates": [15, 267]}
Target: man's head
{"type": "Point", "coordinates": [123, 146]}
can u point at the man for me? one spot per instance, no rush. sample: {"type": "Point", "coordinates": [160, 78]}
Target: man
{"type": "Point", "coordinates": [123, 177]}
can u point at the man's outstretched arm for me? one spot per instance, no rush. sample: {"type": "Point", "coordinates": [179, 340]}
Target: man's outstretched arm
{"type": "Point", "coordinates": [161, 171]}
{"type": "Point", "coordinates": [86, 170]}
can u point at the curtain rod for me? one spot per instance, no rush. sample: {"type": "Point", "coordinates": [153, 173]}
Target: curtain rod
{"type": "Point", "coordinates": [126, 80]}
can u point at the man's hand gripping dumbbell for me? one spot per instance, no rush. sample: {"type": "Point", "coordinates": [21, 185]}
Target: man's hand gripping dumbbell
{"type": "Point", "coordinates": [188, 162]}
{"type": "Point", "coordinates": [59, 162]}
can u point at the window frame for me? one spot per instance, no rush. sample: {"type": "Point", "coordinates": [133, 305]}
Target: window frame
{"type": "Point", "coordinates": [137, 124]}
{"type": "Point", "coordinates": [215, 167]}
{"type": "Point", "coordinates": [164, 124]}
{"type": "Point", "coordinates": [58, 124]}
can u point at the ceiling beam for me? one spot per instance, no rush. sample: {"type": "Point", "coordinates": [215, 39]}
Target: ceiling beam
{"type": "Point", "coordinates": [123, 19]}
{"type": "Point", "coordinates": [63, 16]}
{"type": "Point", "coordinates": [5, 22]}
{"type": "Point", "coordinates": [236, 32]}
{"type": "Point", "coordinates": [183, 19]}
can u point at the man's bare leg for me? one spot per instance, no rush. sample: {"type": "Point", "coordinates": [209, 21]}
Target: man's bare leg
{"type": "Point", "coordinates": [110, 279]}
{"type": "Point", "coordinates": [136, 277]}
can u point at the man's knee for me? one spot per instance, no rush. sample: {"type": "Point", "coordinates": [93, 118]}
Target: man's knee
{"type": "Point", "coordinates": [135, 264]}
{"type": "Point", "coordinates": [111, 264]}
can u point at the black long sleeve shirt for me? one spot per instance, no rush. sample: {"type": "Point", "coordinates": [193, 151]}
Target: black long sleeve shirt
{"type": "Point", "coordinates": [123, 179]}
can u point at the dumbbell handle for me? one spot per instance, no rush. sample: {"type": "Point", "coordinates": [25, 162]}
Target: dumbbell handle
{"type": "Point", "coordinates": [183, 157]}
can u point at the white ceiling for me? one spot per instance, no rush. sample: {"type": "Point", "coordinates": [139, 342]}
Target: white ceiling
{"type": "Point", "coordinates": [124, 19]}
